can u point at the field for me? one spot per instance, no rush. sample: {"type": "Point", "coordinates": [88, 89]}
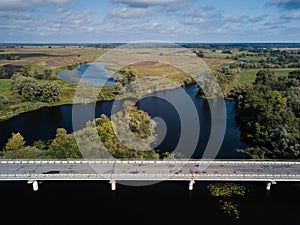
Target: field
{"type": "Point", "coordinates": [158, 69]}
{"type": "Point", "coordinates": [248, 76]}
{"type": "Point", "coordinates": [51, 57]}
{"type": "Point", "coordinates": [217, 59]}
{"type": "Point", "coordinates": [5, 88]}
{"type": "Point", "coordinates": [177, 65]}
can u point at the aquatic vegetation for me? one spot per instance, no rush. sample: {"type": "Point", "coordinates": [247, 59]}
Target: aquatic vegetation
{"type": "Point", "coordinates": [226, 194]}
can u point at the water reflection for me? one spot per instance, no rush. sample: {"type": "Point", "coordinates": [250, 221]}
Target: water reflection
{"type": "Point", "coordinates": [42, 124]}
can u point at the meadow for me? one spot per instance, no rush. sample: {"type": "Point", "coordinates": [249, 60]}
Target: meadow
{"type": "Point", "coordinates": [179, 66]}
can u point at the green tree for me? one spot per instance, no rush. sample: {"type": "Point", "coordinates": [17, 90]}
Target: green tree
{"type": "Point", "coordinates": [15, 142]}
{"type": "Point", "coordinates": [28, 89]}
{"type": "Point", "coordinates": [90, 144]}
{"type": "Point", "coordinates": [265, 77]}
{"type": "Point", "coordinates": [294, 74]}
{"type": "Point", "coordinates": [104, 128]}
{"type": "Point", "coordinates": [3, 101]}
{"type": "Point", "coordinates": [63, 146]}
{"type": "Point", "coordinates": [3, 73]}
{"type": "Point", "coordinates": [28, 152]}
{"type": "Point", "coordinates": [140, 126]}
{"type": "Point", "coordinates": [172, 155]}
{"type": "Point", "coordinates": [261, 111]}
{"type": "Point", "coordinates": [268, 114]}
{"type": "Point", "coordinates": [209, 87]}
{"type": "Point", "coordinates": [25, 71]}
{"type": "Point", "coordinates": [125, 77]}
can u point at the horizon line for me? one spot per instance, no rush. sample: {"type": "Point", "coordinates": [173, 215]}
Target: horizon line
{"type": "Point", "coordinates": [77, 43]}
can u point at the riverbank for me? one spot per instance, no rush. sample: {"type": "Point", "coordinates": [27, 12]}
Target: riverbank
{"type": "Point", "coordinates": [83, 95]}
{"type": "Point", "coordinates": [15, 106]}
{"type": "Point", "coordinates": [42, 124]}
{"type": "Point", "coordinates": [71, 93]}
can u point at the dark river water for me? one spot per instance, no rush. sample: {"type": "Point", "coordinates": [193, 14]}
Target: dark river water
{"type": "Point", "coordinates": [162, 203]}
{"type": "Point", "coordinates": [42, 124]}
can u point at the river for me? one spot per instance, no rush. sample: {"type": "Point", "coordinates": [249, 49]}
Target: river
{"type": "Point", "coordinates": [165, 202]}
{"type": "Point", "coordinates": [77, 202]}
{"type": "Point", "coordinates": [42, 124]}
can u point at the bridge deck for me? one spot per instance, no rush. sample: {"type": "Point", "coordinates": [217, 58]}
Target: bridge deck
{"type": "Point", "coordinates": [221, 170]}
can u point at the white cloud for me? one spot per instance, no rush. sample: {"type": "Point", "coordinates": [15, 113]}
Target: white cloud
{"type": "Point", "coordinates": [145, 2]}
{"type": "Point", "coordinates": [81, 17]}
{"type": "Point", "coordinates": [129, 13]}
{"type": "Point", "coordinates": [237, 19]}
{"type": "Point", "coordinates": [287, 4]}
{"type": "Point", "coordinates": [257, 18]}
{"type": "Point", "coordinates": [58, 1]}
{"type": "Point", "coordinates": [275, 23]}
{"type": "Point", "coordinates": [15, 15]}
{"type": "Point", "coordinates": [174, 4]}
{"type": "Point", "coordinates": [12, 5]}
{"type": "Point", "coordinates": [68, 22]}
{"type": "Point", "coordinates": [194, 20]}
{"type": "Point", "coordinates": [245, 19]}
{"type": "Point", "coordinates": [16, 5]}
{"type": "Point", "coordinates": [90, 29]}
{"type": "Point", "coordinates": [292, 15]}
{"type": "Point", "coordinates": [207, 16]}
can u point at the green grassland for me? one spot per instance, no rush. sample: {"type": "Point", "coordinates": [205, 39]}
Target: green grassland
{"type": "Point", "coordinates": [248, 76]}
{"type": "Point", "coordinates": [5, 88]}
{"type": "Point", "coordinates": [38, 59]}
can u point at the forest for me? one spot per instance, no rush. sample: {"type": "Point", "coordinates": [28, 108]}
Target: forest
{"type": "Point", "coordinates": [268, 112]}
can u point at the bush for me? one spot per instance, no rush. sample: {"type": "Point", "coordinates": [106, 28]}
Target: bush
{"type": "Point", "coordinates": [29, 90]}
{"type": "Point", "coordinates": [3, 101]}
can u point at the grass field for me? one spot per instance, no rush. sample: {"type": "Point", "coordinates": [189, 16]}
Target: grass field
{"type": "Point", "coordinates": [5, 88]}
{"type": "Point", "coordinates": [217, 63]}
{"type": "Point", "coordinates": [158, 69]}
{"type": "Point", "coordinates": [248, 76]}
{"type": "Point", "coordinates": [142, 62]}
{"type": "Point", "coordinates": [50, 58]}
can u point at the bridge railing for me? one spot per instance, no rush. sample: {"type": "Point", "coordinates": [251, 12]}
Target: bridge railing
{"type": "Point", "coordinates": [150, 161]}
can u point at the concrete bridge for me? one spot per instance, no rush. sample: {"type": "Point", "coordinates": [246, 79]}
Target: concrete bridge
{"type": "Point", "coordinates": [113, 171]}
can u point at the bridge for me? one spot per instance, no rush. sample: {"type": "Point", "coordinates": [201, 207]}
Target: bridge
{"type": "Point", "coordinates": [35, 171]}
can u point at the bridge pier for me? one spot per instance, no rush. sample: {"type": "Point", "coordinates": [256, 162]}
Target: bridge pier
{"type": "Point", "coordinates": [191, 184]}
{"type": "Point", "coordinates": [35, 184]}
{"type": "Point", "coordinates": [113, 185]}
{"type": "Point", "coordinates": [269, 184]}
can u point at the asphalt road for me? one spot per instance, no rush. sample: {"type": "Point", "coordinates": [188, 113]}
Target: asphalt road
{"type": "Point", "coordinates": [150, 170]}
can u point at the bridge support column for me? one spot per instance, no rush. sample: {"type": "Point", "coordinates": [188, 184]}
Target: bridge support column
{"type": "Point", "coordinates": [35, 184]}
{"type": "Point", "coordinates": [269, 184]}
{"type": "Point", "coordinates": [191, 185]}
{"type": "Point", "coordinates": [113, 185]}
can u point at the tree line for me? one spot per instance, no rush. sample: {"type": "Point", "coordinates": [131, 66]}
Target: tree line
{"type": "Point", "coordinates": [268, 113]}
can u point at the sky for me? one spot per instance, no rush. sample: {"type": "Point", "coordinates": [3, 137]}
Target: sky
{"type": "Point", "coordinates": [105, 21]}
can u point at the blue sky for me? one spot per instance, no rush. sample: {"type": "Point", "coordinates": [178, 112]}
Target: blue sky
{"type": "Point", "coordinates": [87, 21]}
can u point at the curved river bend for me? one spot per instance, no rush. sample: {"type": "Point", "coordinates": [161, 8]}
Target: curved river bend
{"type": "Point", "coordinates": [42, 124]}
